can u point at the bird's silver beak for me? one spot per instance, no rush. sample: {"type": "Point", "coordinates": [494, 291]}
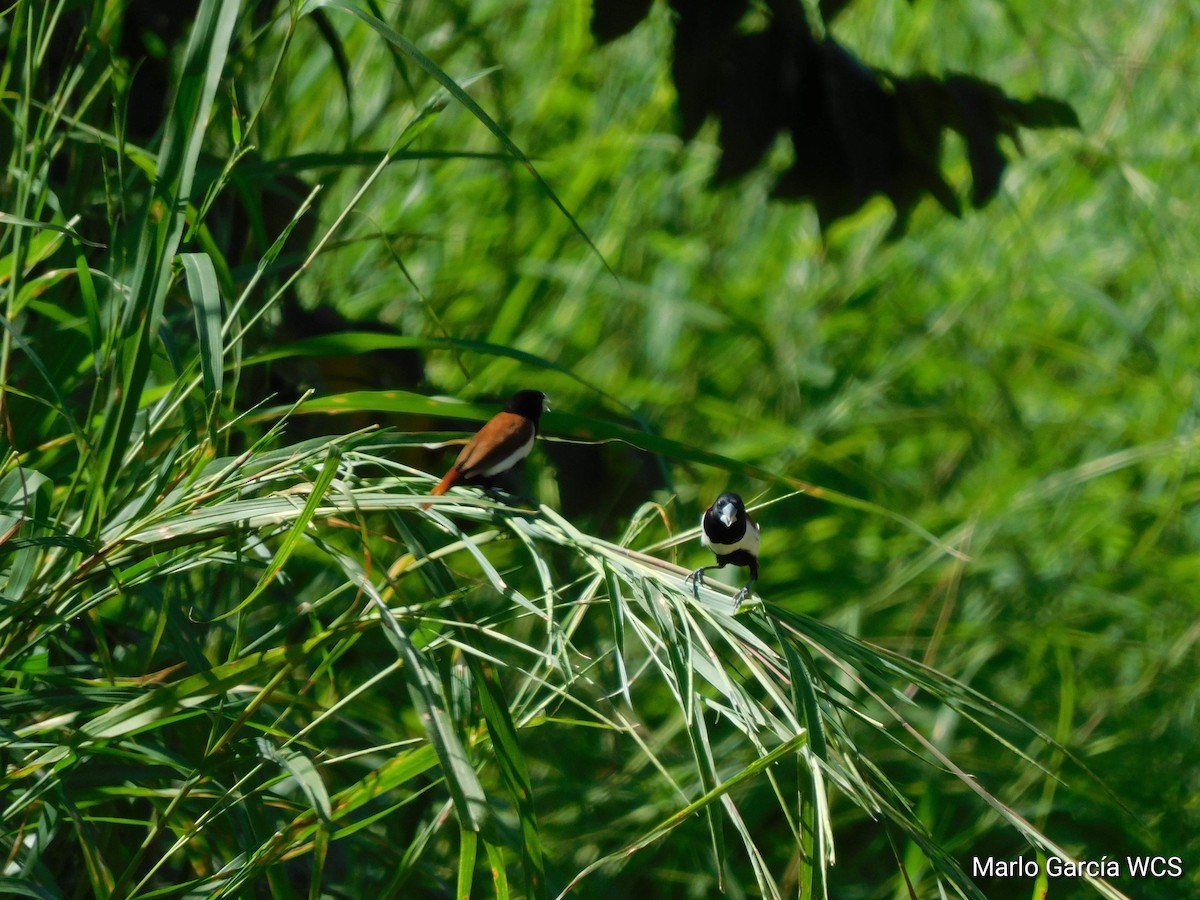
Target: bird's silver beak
{"type": "Point", "coordinates": [727, 512]}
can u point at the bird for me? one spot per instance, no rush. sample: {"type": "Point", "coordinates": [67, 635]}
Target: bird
{"type": "Point", "coordinates": [727, 529]}
{"type": "Point", "coordinates": [499, 445]}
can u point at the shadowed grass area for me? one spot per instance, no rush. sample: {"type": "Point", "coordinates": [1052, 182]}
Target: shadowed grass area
{"type": "Point", "coordinates": [259, 270]}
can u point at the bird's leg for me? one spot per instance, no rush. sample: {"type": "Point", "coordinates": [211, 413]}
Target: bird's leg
{"type": "Point", "coordinates": [697, 579]}
{"type": "Point", "coordinates": [742, 594]}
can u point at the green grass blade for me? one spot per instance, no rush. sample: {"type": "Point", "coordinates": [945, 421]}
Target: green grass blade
{"type": "Point", "coordinates": [24, 510]}
{"type": "Point", "coordinates": [678, 818]}
{"type": "Point", "coordinates": [206, 303]}
{"type": "Point", "coordinates": [159, 236]}
{"type": "Point", "coordinates": [495, 857]}
{"type": "Point", "coordinates": [454, 90]}
{"type": "Point", "coordinates": [301, 768]}
{"type": "Point", "coordinates": [588, 429]}
{"type": "Point", "coordinates": [21, 221]}
{"type": "Point", "coordinates": [514, 771]}
{"type": "Point", "coordinates": [468, 849]}
{"type": "Point", "coordinates": [425, 691]}
{"type": "Point", "coordinates": [22, 887]}
{"type": "Point", "coordinates": [295, 534]}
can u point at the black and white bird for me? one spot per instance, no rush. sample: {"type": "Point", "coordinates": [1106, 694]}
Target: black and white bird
{"type": "Point", "coordinates": [727, 529]}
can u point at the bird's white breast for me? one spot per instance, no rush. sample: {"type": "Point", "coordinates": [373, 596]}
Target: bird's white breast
{"type": "Point", "coordinates": [512, 459]}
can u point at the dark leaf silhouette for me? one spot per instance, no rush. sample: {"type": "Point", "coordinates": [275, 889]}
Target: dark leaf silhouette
{"type": "Point", "coordinates": [612, 20]}
{"type": "Point", "coordinates": [856, 131]}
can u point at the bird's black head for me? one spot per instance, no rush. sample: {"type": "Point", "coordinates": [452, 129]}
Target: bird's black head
{"type": "Point", "coordinates": [729, 508]}
{"type": "Point", "coordinates": [529, 404]}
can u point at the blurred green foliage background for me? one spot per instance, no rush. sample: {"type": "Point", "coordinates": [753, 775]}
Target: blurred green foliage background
{"type": "Point", "coordinates": [1021, 383]}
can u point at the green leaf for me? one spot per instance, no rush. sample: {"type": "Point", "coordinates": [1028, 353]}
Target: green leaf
{"type": "Point", "coordinates": [147, 711]}
{"type": "Point", "coordinates": [454, 90]}
{"type": "Point", "coordinates": [468, 848]}
{"type": "Point", "coordinates": [495, 857]}
{"type": "Point", "coordinates": [514, 771]}
{"type": "Point", "coordinates": [295, 534]}
{"type": "Point", "coordinates": [24, 510]}
{"type": "Point", "coordinates": [425, 691]}
{"type": "Point", "coordinates": [300, 767]}
{"type": "Point", "coordinates": [347, 343]}
{"type": "Point", "coordinates": [159, 235]}
{"type": "Point", "coordinates": [21, 887]}
{"type": "Point", "coordinates": [206, 303]}
{"type": "Point", "coordinates": [587, 429]}
{"type": "Point", "coordinates": [22, 222]}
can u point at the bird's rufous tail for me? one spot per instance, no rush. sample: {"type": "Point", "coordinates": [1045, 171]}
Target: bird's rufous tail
{"type": "Point", "coordinates": [447, 482]}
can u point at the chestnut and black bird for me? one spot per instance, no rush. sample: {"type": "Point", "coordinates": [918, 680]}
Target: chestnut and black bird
{"type": "Point", "coordinates": [499, 445]}
{"type": "Point", "coordinates": [727, 529]}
